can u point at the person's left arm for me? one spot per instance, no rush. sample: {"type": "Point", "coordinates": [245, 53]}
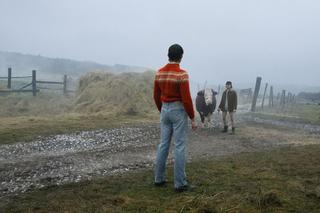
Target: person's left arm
{"type": "Point", "coordinates": [186, 95]}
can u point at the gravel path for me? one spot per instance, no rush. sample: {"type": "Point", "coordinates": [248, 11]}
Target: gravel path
{"type": "Point", "coordinates": [83, 155]}
{"type": "Point", "coordinates": [74, 157]}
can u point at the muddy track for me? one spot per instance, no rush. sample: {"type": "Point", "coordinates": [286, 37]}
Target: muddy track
{"type": "Point", "coordinates": [84, 155]}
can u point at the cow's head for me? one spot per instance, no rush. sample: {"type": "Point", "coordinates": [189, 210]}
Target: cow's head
{"type": "Point", "coordinates": [208, 96]}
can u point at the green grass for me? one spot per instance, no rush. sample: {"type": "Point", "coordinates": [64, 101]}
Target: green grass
{"type": "Point", "coordinates": [285, 180]}
{"type": "Point", "coordinates": [308, 112]}
{"type": "Point", "coordinates": [27, 128]}
{"type": "Point", "coordinates": [3, 84]}
{"type": "Point", "coordinates": [300, 112]}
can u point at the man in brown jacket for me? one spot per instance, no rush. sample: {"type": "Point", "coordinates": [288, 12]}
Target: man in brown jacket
{"type": "Point", "coordinates": [228, 104]}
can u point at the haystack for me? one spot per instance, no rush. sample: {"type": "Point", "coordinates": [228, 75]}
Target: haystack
{"type": "Point", "coordinates": [128, 93]}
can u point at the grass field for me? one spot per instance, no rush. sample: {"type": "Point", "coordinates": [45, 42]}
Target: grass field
{"type": "Point", "coordinates": [27, 128]}
{"type": "Point", "coordinates": [309, 113]}
{"type": "Point", "coordinates": [286, 180]}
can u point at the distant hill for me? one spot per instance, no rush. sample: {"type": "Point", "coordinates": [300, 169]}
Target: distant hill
{"type": "Point", "coordinates": [22, 64]}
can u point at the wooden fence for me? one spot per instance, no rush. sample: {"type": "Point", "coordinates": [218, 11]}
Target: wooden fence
{"type": "Point", "coordinates": [35, 85]}
{"type": "Point", "coordinates": [283, 99]}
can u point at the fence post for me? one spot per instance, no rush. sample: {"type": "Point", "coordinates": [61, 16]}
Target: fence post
{"type": "Point", "coordinates": [264, 95]}
{"type": "Point", "coordinates": [255, 94]}
{"type": "Point", "coordinates": [34, 83]}
{"type": "Point", "coordinates": [283, 98]}
{"type": "Point", "coordinates": [294, 98]}
{"type": "Point", "coordinates": [289, 97]}
{"type": "Point", "coordinates": [9, 77]}
{"type": "Point", "coordinates": [250, 94]}
{"type": "Point", "coordinates": [65, 85]}
{"type": "Point", "coordinates": [271, 97]}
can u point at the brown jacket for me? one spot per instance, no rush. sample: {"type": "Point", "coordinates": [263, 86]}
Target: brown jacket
{"type": "Point", "coordinates": [232, 101]}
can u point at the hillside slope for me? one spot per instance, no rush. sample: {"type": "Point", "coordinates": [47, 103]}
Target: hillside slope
{"type": "Point", "coordinates": [22, 64]}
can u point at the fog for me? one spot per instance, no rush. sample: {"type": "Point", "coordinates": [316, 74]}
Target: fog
{"type": "Point", "coordinates": [223, 40]}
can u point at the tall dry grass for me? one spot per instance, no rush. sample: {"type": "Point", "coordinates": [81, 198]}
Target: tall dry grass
{"type": "Point", "coordinates": [44, 104]}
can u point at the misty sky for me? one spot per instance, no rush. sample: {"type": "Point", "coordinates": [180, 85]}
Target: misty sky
{"type": "Point", "coordinates": [223, 40]}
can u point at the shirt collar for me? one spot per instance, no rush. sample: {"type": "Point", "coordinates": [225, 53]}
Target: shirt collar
{"type": "Point", "coordinates": [173, 65]}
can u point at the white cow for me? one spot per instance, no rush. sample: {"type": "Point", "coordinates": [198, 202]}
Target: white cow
{"type": "Point", "coordinates": [206, 104]}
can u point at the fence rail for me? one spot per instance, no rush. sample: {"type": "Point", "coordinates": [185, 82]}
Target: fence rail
{"type": "Point", "coordinates": [22, 76]}
{"type": "Point", "coordinates": [49, 82]}
{"type": "Point", "coordinates": [17, 91]}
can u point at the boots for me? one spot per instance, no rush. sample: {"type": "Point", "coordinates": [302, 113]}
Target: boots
{"type": "Point", "coordinates": [225, 129]}
{"type": "Point", "coordinates": [233, 130]}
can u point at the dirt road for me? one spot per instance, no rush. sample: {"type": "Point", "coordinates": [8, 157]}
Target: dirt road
{"type": "Point", "coordinates": [84, 155]}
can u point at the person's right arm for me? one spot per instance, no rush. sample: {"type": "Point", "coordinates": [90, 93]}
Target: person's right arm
{"type": "Point", "coordinates": [157, 94]}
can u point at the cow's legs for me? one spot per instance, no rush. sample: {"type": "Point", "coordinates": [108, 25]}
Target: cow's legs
{"type": "Point", "coordinates": [210, 120]}
{"type": "Point", "coordinates": [206, 121]}
{"type": "Point", "coordinates": [202, 119]}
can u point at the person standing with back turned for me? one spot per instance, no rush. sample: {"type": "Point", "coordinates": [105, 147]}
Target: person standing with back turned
{"type": "Point", "coordinates": [173, 100]}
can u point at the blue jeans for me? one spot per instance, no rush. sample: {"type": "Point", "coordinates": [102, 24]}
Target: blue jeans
{"type": "Point", "coordinates": [174, 122]}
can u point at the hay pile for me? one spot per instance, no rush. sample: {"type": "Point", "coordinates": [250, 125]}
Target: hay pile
{"type": "Point", "coordinates": [129, 93]}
